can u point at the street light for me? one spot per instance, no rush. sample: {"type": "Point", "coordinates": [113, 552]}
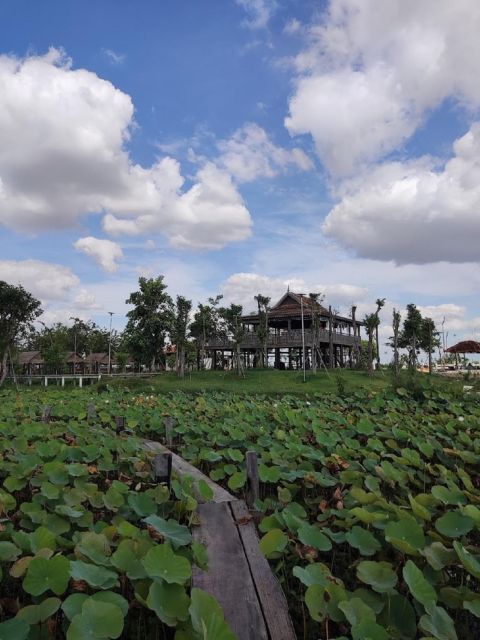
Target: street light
{"type": "Point", "coordinates": [111, 313]}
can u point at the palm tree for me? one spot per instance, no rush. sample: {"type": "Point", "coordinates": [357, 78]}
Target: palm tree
{"type": "Point", "coordinates": [380, 302]}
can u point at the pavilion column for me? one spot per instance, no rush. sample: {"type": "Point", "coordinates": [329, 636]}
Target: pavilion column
{"type": "Point", "coordinates": [341, 356]}
{"type": "Point", "coordinates": [289, 357]}
{"type": "Point", "coordinates": [331, 362]}
{"type": "Point", "coordinates": [277, 358]}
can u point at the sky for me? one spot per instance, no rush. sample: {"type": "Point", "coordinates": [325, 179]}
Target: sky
{"type": "Point", "coordinates": [239, 147]}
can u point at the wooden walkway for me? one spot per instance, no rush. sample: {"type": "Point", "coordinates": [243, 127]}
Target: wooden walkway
{"type": "Point", "coordinates": [238, 574]}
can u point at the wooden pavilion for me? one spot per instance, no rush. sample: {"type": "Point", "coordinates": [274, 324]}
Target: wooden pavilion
{"type": "Point", "coordinates": [338, 337]}
{"type": "Point", "coordinates": [30, 362]}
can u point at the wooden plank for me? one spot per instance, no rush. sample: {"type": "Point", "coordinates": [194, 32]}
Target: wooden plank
{"type": "Point", "coordinates": [270, 593]}
{"type": "Point", "coordinates": [253, 483]}
{"type": "Point", "coordinates": [228, 577]}
{"type": "Point", "coordinates": [184, 468]}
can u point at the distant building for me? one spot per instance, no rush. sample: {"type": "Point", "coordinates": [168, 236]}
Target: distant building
{"type": "Point", "coordinates": [338, 340]}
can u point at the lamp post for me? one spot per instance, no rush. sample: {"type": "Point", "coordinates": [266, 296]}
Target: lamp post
{"type": "Point", "coordinates": [111, 313]}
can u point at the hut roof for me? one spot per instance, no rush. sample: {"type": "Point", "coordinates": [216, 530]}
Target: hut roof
{"type": "Point", "coordinates": [30, 357]}
{"type": "Point", "coordinates": [466, 346]}
{"type": "Point", "coordinates": [100, 357]}
{"type": "Point", "coordinates": [73, 357]}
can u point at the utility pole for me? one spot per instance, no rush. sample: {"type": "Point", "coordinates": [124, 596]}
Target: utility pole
{"type": "Point", "coordinates": [111, 313]}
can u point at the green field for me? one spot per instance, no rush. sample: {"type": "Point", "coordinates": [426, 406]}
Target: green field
{"type": "Point", "coordinates": [369, 505]}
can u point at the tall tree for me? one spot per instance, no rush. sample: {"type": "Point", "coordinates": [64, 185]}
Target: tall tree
{"type": "Point", "coordinates": [371, 322]}
{"type": "Point", "coordinates": [396, 328]}
{"type": "Point", "coordinates": [316, 300]}
{"type": "Point", "coordinates": [179, 334]}
{"type": "Point", "coordinates": [262, 332]}
{"type": "Point", "coordinates": [205, 325]}
{"type": "Point", "coordinates": [380, 302]}
{"type": "Point", "coordinates": [18, 309]}
{"type": "Point", "coordinates": [411, 334]}
{"type": "Point", "coordinates": [232, 327]}
{"type": "Point", "coordinates": [149, 321]}
{"type": "Point", "coordinates": [429, 340]}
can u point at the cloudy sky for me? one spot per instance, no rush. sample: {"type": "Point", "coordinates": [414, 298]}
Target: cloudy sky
{"type": "Point", "coordinates": [237, 146]}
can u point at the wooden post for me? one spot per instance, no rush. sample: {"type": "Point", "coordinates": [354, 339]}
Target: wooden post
{"type": "Point", "coordinates": [253, 485]}
{"type": "Point", "coordinates": [120, 423]}
{"type": "Point", "coordinates": [162, 467]}
{"type": "Point", "coordinates": [168, 422]}
{"type": "Point", "coordinates": [46, 413]}
{"type": "Point", "coordinates": [90, 411]}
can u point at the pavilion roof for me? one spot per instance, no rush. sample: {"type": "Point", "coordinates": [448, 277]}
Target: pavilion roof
{"type": "Point", "coordinates": [290, 305]}
{"type": "Point", "coordinates": [30, 357]}
{"type": "Point", "coordinates": [466, 346]}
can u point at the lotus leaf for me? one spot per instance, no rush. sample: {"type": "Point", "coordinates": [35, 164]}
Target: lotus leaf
{"type": "Point", "coordinates": [454, 525]}
{"type": "Point", "coordinates": [419, 587]}
{"type": "Point", "coordinates": [47, 573]}
{"type": "Point", "coordinates": [98, 577]}
{"type": "Point", "coordinates": [406, 535]}
{"type": "Point", "coordinates": [362, 540]}
{"type": "Point", "coordinates": [97, 621]}
{"type": "Point", "coordinates": [439, 624]}
{"type": "Point", "coordinates": [175, 533]}
{"type": "Point", "coordinates": [35, 613]}
{"type": "Point", "coordinates": [162, 562]}
{"type": "Point", "coordinates": [273, 543]}
{"type": "Point", "coordinates": [207, 617]}
{"type": "Point", "coordinates": [169, 601]}
{"type": "Point", "coordinates": [14, 628]}
{"type": "Point", "coordinates": [379, 575]}
{"type": "Point", "coordinates": [313, 537]}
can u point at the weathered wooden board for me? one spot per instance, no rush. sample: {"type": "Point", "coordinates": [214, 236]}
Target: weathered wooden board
{"type": "Point", "coordinates": [228, 577]}
{"type": "Point", "coordinates": [270, 594]}
{"type": "Point", "coordinates": [184, 468]}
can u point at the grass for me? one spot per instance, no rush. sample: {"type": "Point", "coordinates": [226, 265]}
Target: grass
{"type": "Point", "coordinates": [274, 382]}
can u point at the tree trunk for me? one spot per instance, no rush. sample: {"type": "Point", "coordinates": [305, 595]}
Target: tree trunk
{"type": "Point", "coordinates": [3, 368]}
{"type": "Point", "coordinates": [370, 354]}
{"type": "Point", "coordinates": [378, 346]}
{"type": "Point", "coordinates": [152, 365]}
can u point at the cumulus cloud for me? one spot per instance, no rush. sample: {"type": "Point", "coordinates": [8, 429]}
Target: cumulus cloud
{"type": "Point", "coordinates": [259, 12]}
{"type": "Point", "coordinates": [250, 154]}
{"type": "Point", "coordinates": [242, 287]}
{"type": "Point", "coordinates": [372, 71]}
{"type": "Point", "coordinates": [44, 280]}
{"type": "Point", "coordinates": [64, 134]}
{"type": "Point", "coordinates": [114, 57]}
{"type": "Point", "coordinates": [104, 252]}
{"type": "Point", "coordinates": [414, 212]}
{"type": "Point", "coordinates": [85, 300]}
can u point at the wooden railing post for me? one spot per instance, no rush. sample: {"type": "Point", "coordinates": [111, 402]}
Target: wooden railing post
{"type": "Point", "coordinates": [253, 484]}
{"type": "Point", "coordinates": [46, 414]}
{"type": "Point", "coordinates": [168, 422]}
{"type": "Point", "coordinates": [162, 468]}
{"type": "Point", "coordinates": [120, 423]}
{"type": "Point", "coordinates": [90, 411]}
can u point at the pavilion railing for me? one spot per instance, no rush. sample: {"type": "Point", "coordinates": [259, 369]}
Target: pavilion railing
{"type": "Point", "coordinates": [287, 339]}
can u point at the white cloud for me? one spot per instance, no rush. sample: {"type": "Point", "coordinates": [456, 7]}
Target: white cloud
{"type": "Point", "coordinates": [372, 71]}
{"type": "Point", "coordinates": [63, 135]}
{"type": "Point", "coordinates": [241, 288]}
{"type": "Point", "coordinates": [259, 12]}
{"type": "Point", "coordinates": [114, 57]}
{"type": "Point", "coordinates": [85, 300]}
{"type": "Point", "coordinates": [414, 212]}
{"type": "Point", "coordinates": [44, 280]}
{"type": "Point", "coordinates": [250, 154]}
{"type": "Point", "coordinates": [104, 252]}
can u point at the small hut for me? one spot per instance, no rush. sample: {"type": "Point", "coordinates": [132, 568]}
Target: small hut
{"type": "Point", "coordinates": [75, 363]}
{"type": "Point", "coordinates": [31, 362]}
{"type": "Point", "coordinates": [464, 347]}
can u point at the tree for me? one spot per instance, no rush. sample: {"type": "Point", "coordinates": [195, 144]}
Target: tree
{"type": "Point", "coordinates": [233, 330]}
{"type": "Point", "coordinates": [371, 323]}
{"type": "Point", "coordinates": [411, 334]}
{"type": "Point", "coordinates": [316, 300]}
{"type": "Point", "coordinates": [18, 309]}
{"type": "Point", "coordinates": [262, 332]}
{"type": "Point", "coordinates": [396, 328]}
{"type": "Point", "coordinates": [380, 302]}
{"type": "Point", "coordinates": [149, 321]}
{"type": "Point", "coordinates": [205, 325]}
{"type": "Point", "coordinates": [429, 339]}
{"type": "Point", "coordinates": [179, 333]}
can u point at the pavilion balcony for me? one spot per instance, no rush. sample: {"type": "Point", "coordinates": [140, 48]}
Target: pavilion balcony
{"type": "Point", "coordinates": [286, 339]}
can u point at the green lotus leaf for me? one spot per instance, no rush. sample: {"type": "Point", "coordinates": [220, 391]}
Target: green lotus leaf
{"type": "Point", "coordinates": [273, 543]}
{"type": "Point", "coordinates": [175, 533]}
{"type": "Point", "coordinates": [269, 474]}
{"type": "Point", "coordinates": [438, 556]}
{"type": "Point", "coordinates": [9, 551]}
{"type": "Point", "coordinates": [454, 525]}
{"type": "Point", "coordinates": [56, 473]}
{"type": "Point", "coordinates": [362, 540]}
{"type": "Point", "coordinates": [369, 630]}
{"type": "Point", "coordinates": [113, 499]}
{"type": "Point", "coordinates": [418, 509]}
{"type": "Point", "coordinates": [97, 621]}
{"type": "Point", "coordinates": [317, 573]}
{"type": "Point", "coordinates": [439, 624]}
{"type": "Point", "coordinates": [207, 617]}
{"type": "Point", "coordinates": [42, 538]}
{"type": "Point", "coordinates": [356, 610]}
{"type": "Point", "coordinates": [313, 537]}
{"type": "Point", "coordinates": [315, 601]}
{"type": "Point", "coordinates": [200, 555]}
{"type": "Point", "coordinates": [162, 562]}
{"type": "Point", "coordinates": [419, 587]}
{"type": "Point", "coordinates": [35, 613]}
{"type": "Point", "coordinates": [368, 517]}
{"type": "Point", "coordinates": [128, 555]}
{"type": "Point", "coordinates": [72, 605]}
{"type": "Point", "coordinates": [112, 598]}
{"type": "Point", "coordinates": [142, 504]}
{"type": "Point", "coordinates": [473, 606]}
{"type": "Point", "coordinates": [398, 617]}
{"type": "Point", "coordinates": [471, 564]}
{"type": "Point", "coordinates": [448, 496]}
{"type": "Point", "coordinates": [47, 573]}
{"type": "Point", "coordinates": [406, 535]}
{"type": "Point", "coordinates": [17, 570]}
{"type": "Point", "coordinates": [69, 512]}
{"type": "Point", "coordinates": [14, 484]}
{"type": "Point", "coordinates": [95, 547]}
{"type": "Point", "coordinates": [169, 601]}
{"type": "Point", "coordinates": [372, 599]}
{"type": "Point", "coordinates": [15, 628]}
{"type": "Point", "coordinates": [205, 490]}
{"type": "Point", "coordinates": [7, 502]}
{"type": "Point", "coordinates": [379, 575]}
{"type": "Point", "coordinates": [75, 469]}
{"type": "Point", "coordinates": [49, 490]}
{"type": "Point", "coordinates": [237, 480]}
{"type": "Point", "coordinates": [98, 577]}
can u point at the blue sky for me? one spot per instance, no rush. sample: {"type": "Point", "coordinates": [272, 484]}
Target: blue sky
{"type": "Point", "coordinates": [238, 146]}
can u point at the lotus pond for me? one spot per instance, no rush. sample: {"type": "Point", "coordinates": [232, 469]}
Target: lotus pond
{"type": "Point", "coordinates": [369, 508]}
